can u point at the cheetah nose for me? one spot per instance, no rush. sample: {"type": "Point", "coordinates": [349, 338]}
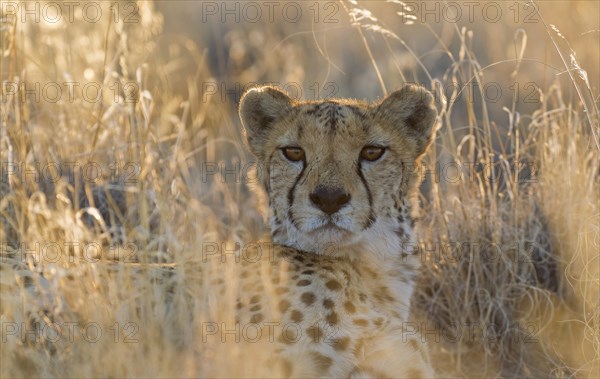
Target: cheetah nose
{"type": "Point", "coordinates": [329, 200]}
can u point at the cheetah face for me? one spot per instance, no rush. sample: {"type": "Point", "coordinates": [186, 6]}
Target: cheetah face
{"type": "Point", "coordinates": [336, 172]}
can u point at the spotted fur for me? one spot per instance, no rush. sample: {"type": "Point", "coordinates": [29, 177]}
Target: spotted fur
{"type": "Point", "coordinates": [344, 273]}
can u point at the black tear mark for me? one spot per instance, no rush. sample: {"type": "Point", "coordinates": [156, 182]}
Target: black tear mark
{"type": "Point", "coordinates": [371, 218]}
{"type": "Point", "coordinates": [267, 175]}
{"type": "Point", "coordinates": [291, 192]}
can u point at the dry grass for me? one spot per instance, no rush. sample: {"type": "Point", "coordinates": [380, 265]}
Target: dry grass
{"type": "Point", "coordinates": [510, 285]}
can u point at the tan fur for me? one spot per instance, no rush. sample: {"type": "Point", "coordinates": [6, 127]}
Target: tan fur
{"type": "Point", "coordinates": [350, 271]}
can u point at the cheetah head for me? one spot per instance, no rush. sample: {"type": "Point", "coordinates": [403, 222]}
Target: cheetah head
{"type": "Point", "coordinates": [338, 173]}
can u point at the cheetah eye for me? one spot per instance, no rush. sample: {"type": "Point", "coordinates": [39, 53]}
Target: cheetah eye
{"type": "Point", "coordinates": [371, 153]}
{"type": "Point", "coordinates": [293, 154]}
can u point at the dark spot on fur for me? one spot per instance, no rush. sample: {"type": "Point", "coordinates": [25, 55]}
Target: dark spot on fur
{"type": "Point", "coordinates": [256, 318]}
{"type": "Point", "coordinates": [297, 316]}
{"type": "Point", "coordinates": [413, 344]}
{"type": "Point", "coordinates": [340, 344]}
{"type": "Point", "coordinates": [350, 308]}
{"type": "Point", "coordinates": [255, 308]}
{"type": "Point", "coordinates": [288, 336]}
{"type": "Point", "coordinates": [333, 285]}
{"type": "Point", "coordinates": [283, 305]}
{"type": "Point", "coordinates": [308, 298]}
{"type": "Point", "coordinates": [332, 318]}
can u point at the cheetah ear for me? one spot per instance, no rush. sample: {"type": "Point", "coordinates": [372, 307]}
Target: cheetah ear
{"type": "Point", "coordinates": [260, 108]}
{"type": "Point", "coordinates": [412, 110]}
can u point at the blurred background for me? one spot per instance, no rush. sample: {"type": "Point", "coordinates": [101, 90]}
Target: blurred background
{"type": "Point", "coordinates": [300, 44]}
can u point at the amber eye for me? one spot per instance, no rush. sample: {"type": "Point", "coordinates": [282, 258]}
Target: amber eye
{"type": "Point", "coordinates": [371, 153]}
{"type": "Point", "coordinates": [293, 154]}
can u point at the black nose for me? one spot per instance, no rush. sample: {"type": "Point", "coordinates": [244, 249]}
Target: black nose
{"type": "Point", "coordinates": [329, 200]}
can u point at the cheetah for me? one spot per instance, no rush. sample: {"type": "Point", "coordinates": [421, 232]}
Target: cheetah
{"type": "Point", "coordinates": [339, 176]}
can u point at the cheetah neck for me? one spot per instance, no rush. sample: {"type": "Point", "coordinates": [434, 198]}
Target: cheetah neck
{"type": "Point", "coordinates": [388, 248]}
